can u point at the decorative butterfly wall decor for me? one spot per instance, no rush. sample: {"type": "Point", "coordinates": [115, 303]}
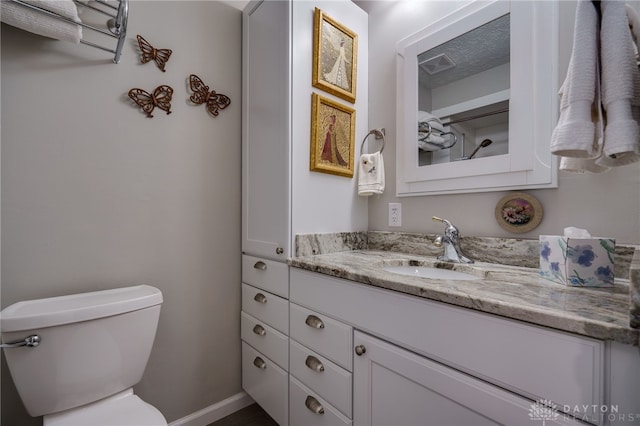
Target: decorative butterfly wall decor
{"type": "Point", "coordinates": [159, 56]}
{"type": "Point", "coordinates": [214, 101]}
{"type": "Point", "coordinates": [161, 98]}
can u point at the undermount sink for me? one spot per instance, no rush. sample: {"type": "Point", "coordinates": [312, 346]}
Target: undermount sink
{"type": "Point", "coordinates": [434, 273]}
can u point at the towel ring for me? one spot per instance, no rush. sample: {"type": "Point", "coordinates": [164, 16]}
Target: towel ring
{"type": "Point", "coordinates": [373, 132]}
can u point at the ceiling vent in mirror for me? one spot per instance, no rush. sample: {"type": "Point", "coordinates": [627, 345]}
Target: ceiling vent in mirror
{"type": "Point", "coordinates": [437, 64]}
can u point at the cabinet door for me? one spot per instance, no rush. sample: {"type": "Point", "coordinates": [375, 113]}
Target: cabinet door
{"type": "Point", "coordinates": [266, 130]}
{"type": "Point", "coordinates": [392, 386]}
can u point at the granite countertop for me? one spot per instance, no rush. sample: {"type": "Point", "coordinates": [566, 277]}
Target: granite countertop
{"type": "Point", "coordinates": [509, 291]}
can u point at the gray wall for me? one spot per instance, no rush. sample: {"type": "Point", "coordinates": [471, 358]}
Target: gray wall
{"type": "Point", "coordinates": [606, 204]}
{"type": "Point", "coordinates": [95, 195]}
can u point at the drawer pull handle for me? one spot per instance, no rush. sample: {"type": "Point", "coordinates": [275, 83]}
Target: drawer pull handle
{"type": "Point", "coordinates": [360, 350]}
{"type": "Point", "coordinates": [314, 321]}
{"type": "Point", "coordinates": [314, 363]}
{"type": "Point", "coordinates": [260, 298]}
{"type": "Point", "coordinates": [259, 330]}
{"type": "Point", "coordinates": [260, 265]}
{"type": "Point", "coordinates": [279, 250]}
{"type": "Point", "coordinates": [313, 405]}
{"type": "Point", "coordinates": [259, 362]}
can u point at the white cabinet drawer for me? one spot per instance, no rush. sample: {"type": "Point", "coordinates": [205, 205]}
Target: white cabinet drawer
{"type": "Point", "coordinates": [266, 383]}
{"type": "Point", "coordinates": [265, 339]}
{"type": "Point", "coordinates": [330, 381]}
{"type": "Point", "coordinates": [267, 307]}
{"type": "Point", "coordinates": [266, 275]}
{"type": "Point", "coordinates": [324, 335]}
{"type": "Point", "coordinates": [302, 403]}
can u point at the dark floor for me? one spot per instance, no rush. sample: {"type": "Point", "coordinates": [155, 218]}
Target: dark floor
{"type": "Point", "coordinates": [252, 415]}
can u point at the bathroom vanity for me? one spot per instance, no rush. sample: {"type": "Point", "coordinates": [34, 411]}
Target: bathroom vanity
{"type": "Point", "coordinates": [505, 349]}
{"type": "Point", "coordinates": [358, 344]}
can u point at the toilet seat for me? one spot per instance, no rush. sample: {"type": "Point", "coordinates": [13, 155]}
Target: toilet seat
{"type": "Point", "coordinates": [121, 409]}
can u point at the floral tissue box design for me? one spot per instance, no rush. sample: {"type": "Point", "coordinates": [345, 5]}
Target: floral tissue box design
{"type": "Point", "coordinates": [581, 262]}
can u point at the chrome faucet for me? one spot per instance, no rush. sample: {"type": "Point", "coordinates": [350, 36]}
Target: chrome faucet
{"type": "Point", "coordinates": [451, 241]}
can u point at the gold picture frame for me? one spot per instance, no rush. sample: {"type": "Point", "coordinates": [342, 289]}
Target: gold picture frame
{"type": "Point", "coordinates": [333, 129]}
{"type": "Point", "coordinates": [335, 54]}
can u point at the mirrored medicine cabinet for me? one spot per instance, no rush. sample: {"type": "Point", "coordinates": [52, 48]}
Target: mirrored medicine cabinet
{"type": "Point", "coordinates": [477, 100]}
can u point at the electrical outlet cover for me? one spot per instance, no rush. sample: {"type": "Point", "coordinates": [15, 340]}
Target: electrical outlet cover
{"type": "Point", "coordinates": [395, 214]}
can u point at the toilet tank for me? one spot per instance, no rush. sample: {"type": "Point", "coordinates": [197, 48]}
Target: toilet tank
{"type": "Point", "coordinates": [93, 345]}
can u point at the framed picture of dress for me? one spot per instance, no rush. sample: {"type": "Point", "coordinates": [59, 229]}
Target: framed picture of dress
{"type": "Point", "coordinates": [335, 51]}
{"type": "Point", "coordinates": [333, 128]}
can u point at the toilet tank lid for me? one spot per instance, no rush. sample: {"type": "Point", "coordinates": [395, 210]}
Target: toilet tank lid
{"type": "Point", "coordinates": [40, 313]}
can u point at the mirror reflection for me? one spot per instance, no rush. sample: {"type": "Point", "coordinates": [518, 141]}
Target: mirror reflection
{"type": "Point", "coordinates": [463, 96]}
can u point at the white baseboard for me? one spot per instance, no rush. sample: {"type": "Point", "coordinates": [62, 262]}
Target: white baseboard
{"type": "Point", "coordinates": [216, 411]}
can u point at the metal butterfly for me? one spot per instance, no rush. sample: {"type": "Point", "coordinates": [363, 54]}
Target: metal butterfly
{"type": "Point", "coordinates": [161, 98]}
{"type": "Point", "coordinates": [214, 101]}
{"type": "Point", "coordinates": [159, 56]}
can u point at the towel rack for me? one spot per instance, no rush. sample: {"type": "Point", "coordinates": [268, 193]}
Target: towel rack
{"type": "Point", "coordinates": [425, 128]}
{"type": "Point", "coordinates": [116, 25]}
{"type": "Point", "coordinates": [473, 117]}
{"type": "Point", "coordinates": [379, 134]}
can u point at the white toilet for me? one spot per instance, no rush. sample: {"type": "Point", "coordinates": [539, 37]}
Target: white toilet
{"type": "Point", "coordinates": [90, 351]}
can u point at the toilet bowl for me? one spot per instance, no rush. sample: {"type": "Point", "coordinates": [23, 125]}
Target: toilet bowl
{"type": "Point", "coordinates": [90, 350]}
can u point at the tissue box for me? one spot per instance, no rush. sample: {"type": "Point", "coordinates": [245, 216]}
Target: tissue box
{"type": "Point", "coordinates": [581, 262]}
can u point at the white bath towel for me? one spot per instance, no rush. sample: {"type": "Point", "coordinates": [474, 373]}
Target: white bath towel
{"type": "Point", "coordinates": [582, 165]}
{"type": "Point", "coordinates": [430, 141]}
{"type": "Point", "coordinates": [371, 174]}
{"type": "Point", "coordinates": [620, 87]}
{"type": "Point", "coordinates": [575, 134]}
{"type": "Point", "coordinates": [41, 23]}
{"type": "Point", "coordinates": [435, 122]}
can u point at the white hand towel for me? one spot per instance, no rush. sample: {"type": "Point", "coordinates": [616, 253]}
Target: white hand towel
{"type": "Point", "coordinates": [620, 87]}
{"type": "Point", "coordinates": [371, 174]}
{"type": "Point", "coordinates": [40, 23]}
{"type": "Point", "coordinates": [575, 134]}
